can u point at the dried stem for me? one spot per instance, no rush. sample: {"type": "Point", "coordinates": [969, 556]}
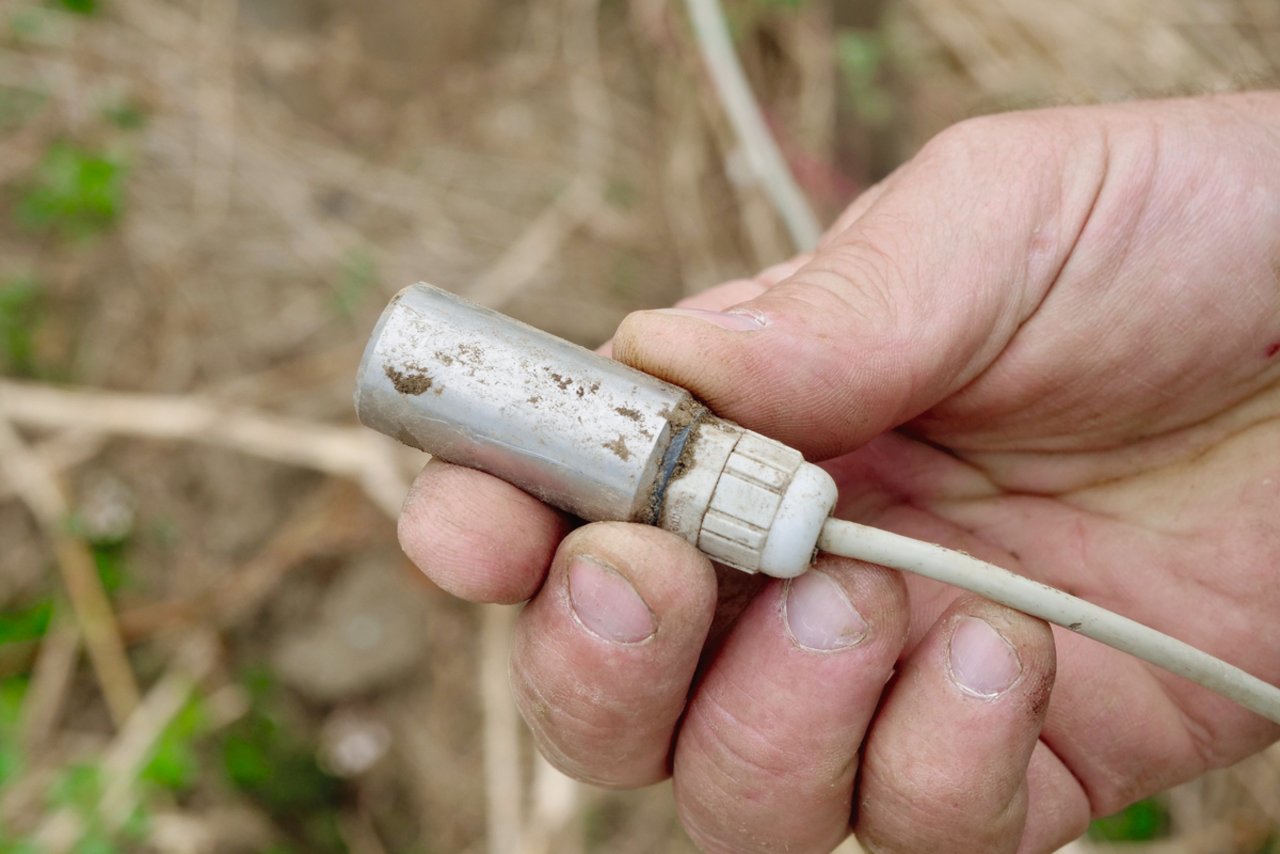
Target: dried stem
{"type": "Point", "coordinates": [350, 452]}
{"type": "Point", "coordinates": [743, 111]}
{"type": "Point", "coordinates": [96, 620]}
{"type": "Point", "coordinates": [124, 759]}
{"type": "Point", "coordinates": [501, 733]}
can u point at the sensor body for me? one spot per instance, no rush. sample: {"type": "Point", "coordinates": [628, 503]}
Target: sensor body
{"type": "Point", "coordinates": [585, 433]}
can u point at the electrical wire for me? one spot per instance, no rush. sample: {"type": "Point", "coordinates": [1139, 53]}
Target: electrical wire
{"type": "Point", "coordinates": [743, 111]}
{"type": "Point", "coordinates": [861, 542]}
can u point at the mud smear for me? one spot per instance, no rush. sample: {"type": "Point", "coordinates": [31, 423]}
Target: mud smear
{"type": "Point", "coordinates": [408, 381]}
{"type": "Point", "coordinates": [619, 447]}
{"type": "Point", "coordinates": [562, 381]}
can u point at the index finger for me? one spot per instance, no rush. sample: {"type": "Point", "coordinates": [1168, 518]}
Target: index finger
{"type": "Point", "coordinates": [476, 536]}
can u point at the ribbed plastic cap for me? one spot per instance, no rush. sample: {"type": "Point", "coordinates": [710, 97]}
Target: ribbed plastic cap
{"type": "Point", "coordinates": [750, 502]}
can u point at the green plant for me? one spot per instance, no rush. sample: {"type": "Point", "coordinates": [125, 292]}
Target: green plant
{"type": "Point", "coordinates": [20, 316]}
{"type": "Point", "coordinates": [110, 552]}
{"type": "Point", "coordinates": [109, 558]}
{"type": "Point", "coordinates": [356, 277]}
{"type": "Point", "coordinates": [272, 764]}
{"type": "Point", "coordinates": [126, 115]}
{"type": "Point", "coordinates": [12, 692]}
{"type": "Point", "coordinates": [26, 623]}
{"type": "Point", "coordinates": [76, 192]}
{"type": "Point", "coordinates": [79, 7]}
{"type": "Point", "coordinates": [174, 764]}
{"type": "Point", "coordinates": [1140, 822]}
{"type": "Point", "coordinates": [860, 56]}
{"type": "Point", "coordinates": [78, 788]}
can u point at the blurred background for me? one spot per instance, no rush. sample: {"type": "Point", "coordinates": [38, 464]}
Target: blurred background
{"type": "Point", "coordinates": [209, 641]}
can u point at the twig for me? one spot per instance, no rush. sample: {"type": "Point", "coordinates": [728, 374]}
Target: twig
{"type": "Point", "coordinates": [60, 452]}
{"type": "Point", "coordinates": [501, 733]}
{"type": "Point", "coordinates": [537, 244]}
{"type": "Point", "coordinates": [546, 234]}
{"type": "Point", "coordinates": [216, 107]}
{"type": "Point", "coordinates": [50, 678]}
{"type": "Point", "coordinates": [350, 452]}
{"type": "Point", "coordinates": [317, 525]}
{"type": "Point", "coordinates": [555, 803]}
{"type": "Point", "coordinates": [359, 833]}
{"type": "Point", "coordinates": [89, 602]}
{"type": "Point", "coordinates": [753, 134]}
{"type": "Point", "coordinates": [124, 759]}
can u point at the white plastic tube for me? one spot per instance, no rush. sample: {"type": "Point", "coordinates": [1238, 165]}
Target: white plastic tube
{"type": "Point", "coordinates": [873, 545]}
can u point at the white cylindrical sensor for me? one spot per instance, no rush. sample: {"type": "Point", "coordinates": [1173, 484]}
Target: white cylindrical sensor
{"type": "Point", "coordinates": [585, 433]}
{"type": "Point", "coordinates": [479, 389]}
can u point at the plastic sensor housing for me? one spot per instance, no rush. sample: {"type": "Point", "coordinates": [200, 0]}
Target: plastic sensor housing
{"type": "Point", "coordinates": [585, 433]}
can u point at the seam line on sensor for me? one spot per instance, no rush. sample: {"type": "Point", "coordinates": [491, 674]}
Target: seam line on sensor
{"type": "Point", "coordinates": [670, 459]}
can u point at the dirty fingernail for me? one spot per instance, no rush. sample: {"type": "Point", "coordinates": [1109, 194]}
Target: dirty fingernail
{"type": "Point", "coordinates": [734, 321]}
{"type": "Point", "coordinates": [981, 661]}
{"type": "Point", "coordinates": [820, 616]}
{"type": "Point", "coordinates": [606, 604]}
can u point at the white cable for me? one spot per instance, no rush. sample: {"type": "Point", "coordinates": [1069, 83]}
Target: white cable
{"type": "Point", "coordinates": [873, 545]}
{"type": "Point", "coordinates": [743, 111]}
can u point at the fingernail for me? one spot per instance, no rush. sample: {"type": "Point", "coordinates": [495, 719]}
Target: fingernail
{"type": "Point", "coordinates": [820, 616]}
{"type": "Point", "coordinates": [982, 662]}
{"type": "Point", "coordinates": [606, 604]}
{"type": "Point", "coordinates": [734, 321]}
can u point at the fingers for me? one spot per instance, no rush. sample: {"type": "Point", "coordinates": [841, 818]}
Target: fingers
{"type": "Point", "coordinates": [476, 536]}
{"type": "Point", "coordinates": [945, 765]}
{"type": "Point", "coordinates": [767, 753]}
{"type": "Point", "coordinates": [604, 656]}
{"type": "Point", "coordinates": [910, 302]}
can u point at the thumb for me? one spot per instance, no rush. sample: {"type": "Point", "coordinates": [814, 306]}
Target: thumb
{"type": "Point", "coordinates": [898, 309]}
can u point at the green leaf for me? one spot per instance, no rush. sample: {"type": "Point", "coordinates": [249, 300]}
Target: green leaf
{"type": "Point", "coordinates": [95, 841]}
{"type": "Point", "coordinates": [21, 300]}
{"type": "Point", "coordinates": [137, 825]}
{"type": "Point", "coordinates": [11, 763]}
{"type": "Point", "coordinates": [108, 557]}
{"type": "Point", "coordinates": [75, 192]}
{"type": "Point", "coordinates": [78, 787]}
{"type": "Point", "coordinates": [13, 691]}
{"type": "Point", "coordinates": [79, 7]}
{"type": "Point", "coordinates": [1139, 822]}
{"type": "Point", "coordinates": [26, 624]}
{"type": "Point", "coordinates": [19, 846]}
{"type": "Point", "coordinates": [174, 764]}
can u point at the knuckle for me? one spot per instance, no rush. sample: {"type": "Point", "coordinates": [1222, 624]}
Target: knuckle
{"type": "Point", "coordinates": [861, 275]}
{"type": "Point", "coordinates": [586, 732]}
{"type": "Point", "coordinates": [908, 804]}
{"type": "Point", "coordinates": [989, 139]}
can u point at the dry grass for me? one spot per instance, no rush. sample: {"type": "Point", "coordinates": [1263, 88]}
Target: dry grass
{"type": "Point", "coordinates": [288, 165]}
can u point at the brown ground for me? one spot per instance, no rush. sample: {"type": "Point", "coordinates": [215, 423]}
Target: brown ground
{"type": "Point", "coordinates": [287, 165]}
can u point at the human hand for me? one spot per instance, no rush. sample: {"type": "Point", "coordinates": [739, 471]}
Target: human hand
{"type": "Point", "coordinates": [1051, 340]}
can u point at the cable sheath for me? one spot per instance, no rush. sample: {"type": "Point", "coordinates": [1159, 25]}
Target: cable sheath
{"type": "Point", "coordinates": [958, 569]}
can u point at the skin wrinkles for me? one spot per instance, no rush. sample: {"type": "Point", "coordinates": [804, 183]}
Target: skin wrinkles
{"type": "Point", "coordinates": [1110, 438]}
